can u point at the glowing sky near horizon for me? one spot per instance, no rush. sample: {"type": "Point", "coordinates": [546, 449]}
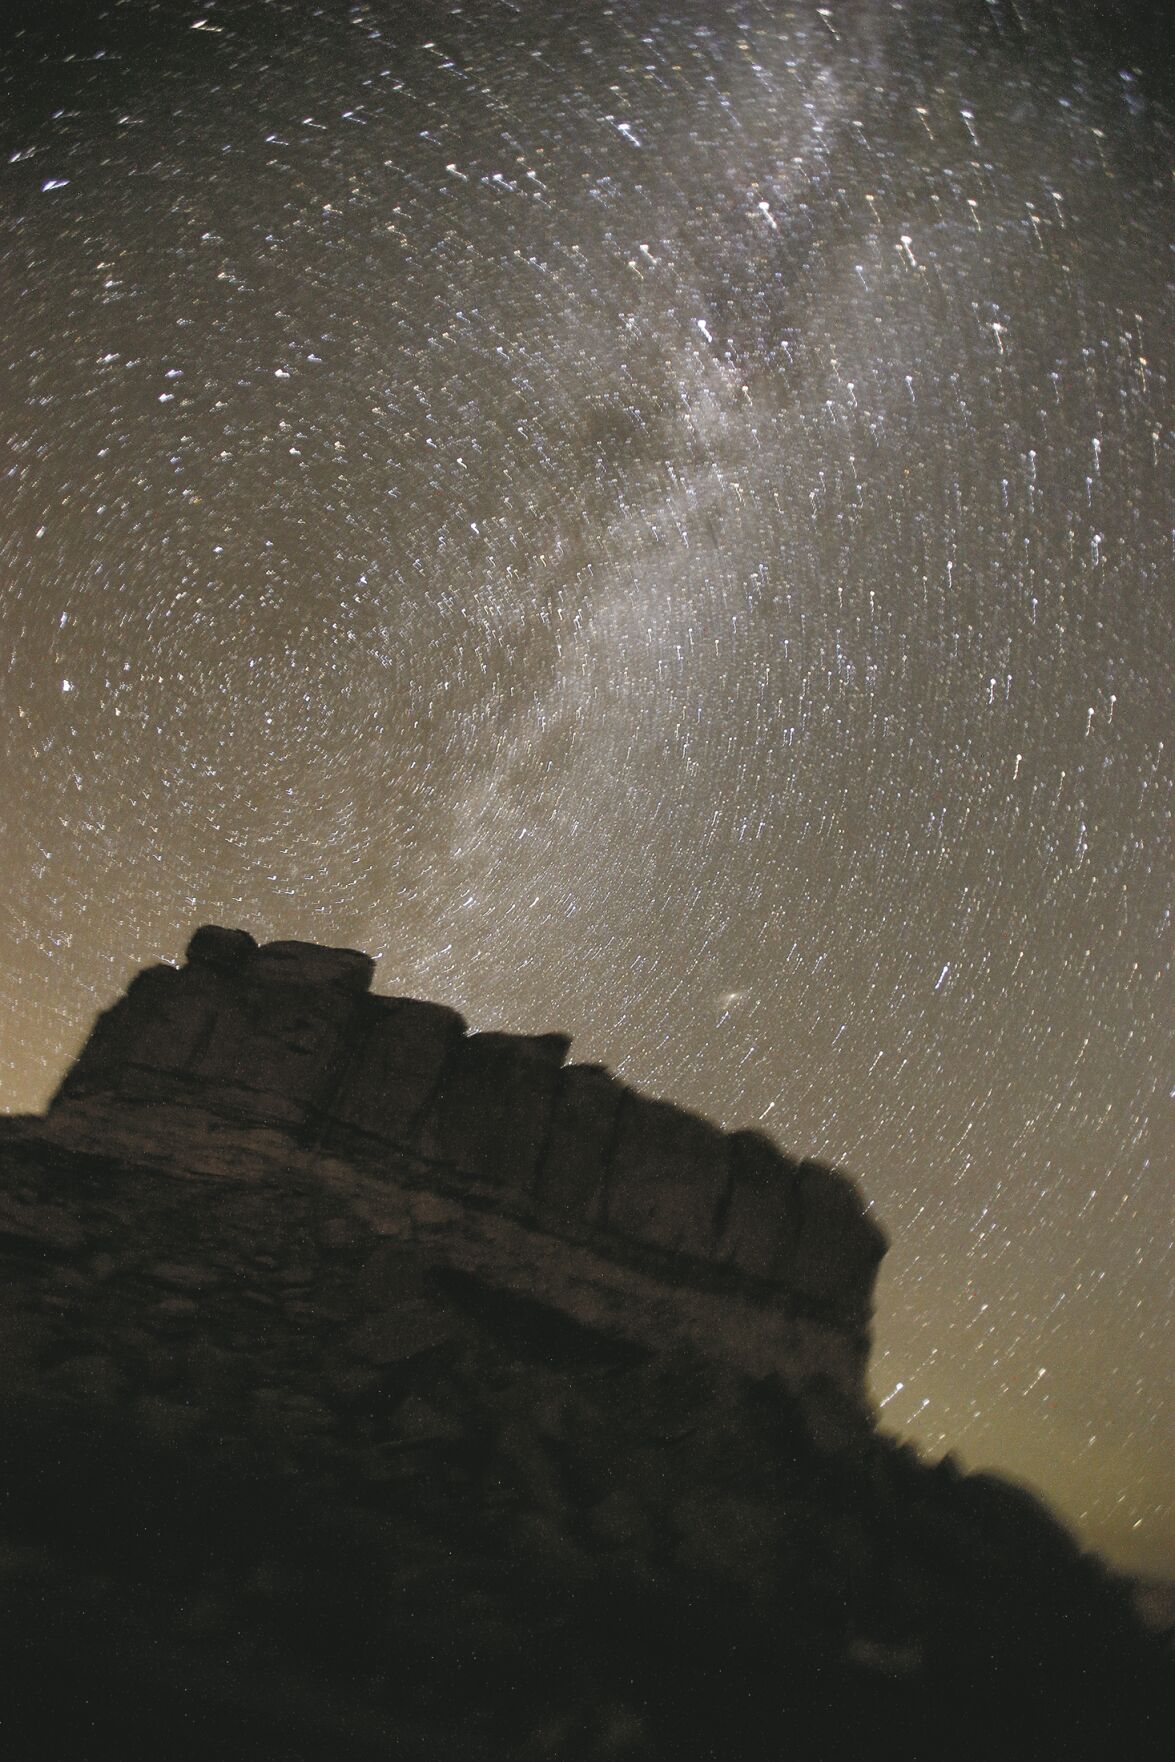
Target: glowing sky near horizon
{"type": "Point", "coordinates": [657, 521]}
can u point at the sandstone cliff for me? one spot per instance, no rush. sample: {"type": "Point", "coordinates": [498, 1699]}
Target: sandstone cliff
{"type": "Point", "coordinates": [373, 1388]}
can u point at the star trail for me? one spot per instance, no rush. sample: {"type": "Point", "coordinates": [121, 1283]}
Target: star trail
{"type": "Point", "coordinates": [656, 521]}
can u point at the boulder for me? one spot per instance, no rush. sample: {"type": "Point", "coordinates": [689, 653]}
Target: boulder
{"type": "Point", "coordinates": [570, 1184]}
{"type": "Point", "coordinates": [762, 1217]}
{"type": "Point", "coordinates": [159, 1026]}
{"type": "Point", "coordinates": [273, 1049]}
{"type": "Point", "coordinates": [400, 1051]}
{"type": "Point", "coordinates": [669, 1177]}
{"type": "Point", "coordinates": [226, 950]}
{"type": "Point", "coordinates": [492, 1111]}
{"type": "Point", "coordinates": [305, 963]}
{"type": "Point", "coordinates": [838, 1247]}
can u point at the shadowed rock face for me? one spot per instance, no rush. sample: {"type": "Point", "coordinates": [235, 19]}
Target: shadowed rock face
{"type": "Point", "coordinates": [370, 1388]}
{"type": "Point", "coordinates": [286, 1039]}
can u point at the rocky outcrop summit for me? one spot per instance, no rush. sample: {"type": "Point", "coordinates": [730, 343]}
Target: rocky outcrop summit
{"type": "Point", "coordinates": [557, 1179]}
{"type": "Point", "coordinates": [373, 1388]}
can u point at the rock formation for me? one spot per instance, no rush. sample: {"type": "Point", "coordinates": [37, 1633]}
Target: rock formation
{"type": "Point", "coordinates": [373, 1388]}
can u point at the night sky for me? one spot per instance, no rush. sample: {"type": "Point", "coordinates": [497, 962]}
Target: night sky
{"type": "Point", "coordinates": [655, 520]}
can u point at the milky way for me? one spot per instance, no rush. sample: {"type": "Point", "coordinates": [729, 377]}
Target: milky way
{"type": "Point", "coordinates": [657, 522]}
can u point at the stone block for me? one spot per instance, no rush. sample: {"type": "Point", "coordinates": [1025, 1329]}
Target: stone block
{"type": "Point", "coordinates": [226, 950]}
{"type": "Point", "coordinates": [571, 1182]}
{"type": "Point", "coordinates": [403, 1049]}
{"type": "Point", "coordinates": [159, 1025]}
{"type": "Point", "coordinates": [305, 963]}
{"type": "Point", "coordinates": [275, 1047]}
{"type": "Point", "coordinates": [492, 1112]}
{"type": "Point", "coordinates": [669, 1178]}
{"type": "Point", "coordinates": [762, 1219]}
{"type": "Point", "coordinates": [838, 1246]}
{"type": "Point", "coordinates": [536, 1049]}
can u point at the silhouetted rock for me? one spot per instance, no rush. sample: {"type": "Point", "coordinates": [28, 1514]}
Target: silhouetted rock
{"type": "Point", "coordinates": [669, 1178]}
{"type": "Point", "coordinates": [583, 1128]}
{"type": "Point", "coordinates": [211, 946]}
{"type": "Point", "coordinates": [374, 1389]}
{"type": "Point", "coordinates": [394, 1073]}
{"type": "Point", "coordinates": [762, 1219]}
{"type": "Point", "coordinates": [492, 1110]}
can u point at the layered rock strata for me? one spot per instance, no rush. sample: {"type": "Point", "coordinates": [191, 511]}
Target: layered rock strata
{"type": "Point", "coordinates": [372, 1389]}
{"type": "Point", "coordinates": [625, 1211]}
